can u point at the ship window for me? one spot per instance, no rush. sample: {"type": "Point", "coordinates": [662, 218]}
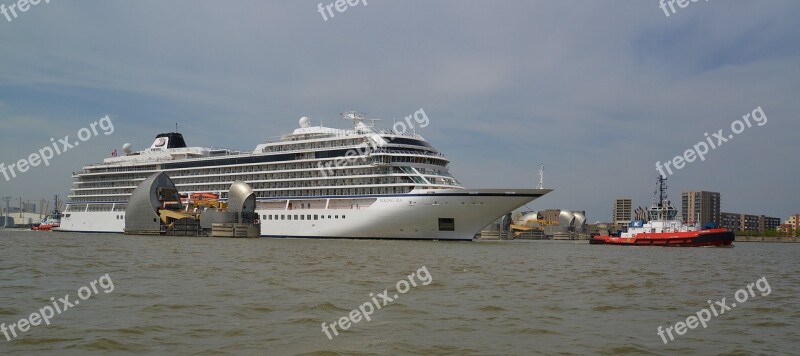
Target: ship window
{"type": "Point", "coordinates": [316, 217]}
{"type": "Point", "coordinates": [337, 216]}
{"type": "Point", "coordinates": [329, 216]}
{"type": "Point", "coordinates": [447, 224]}
{"type": "Point", "coordinates": [295, 217]}
{"type": "Point", "coordinates": [302, 217]}
{"type": "Point", "coordinates": [290, 217]}
{"type": "Point", "coordinates": [308, 217]}
{"type": "Point", "coordinates": [342, 216]}
{"type": "Point", "coordinates": [283, 217]}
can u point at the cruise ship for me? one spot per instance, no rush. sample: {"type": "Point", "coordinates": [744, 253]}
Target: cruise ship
{"type": "Point", "coordinates": [317, 182]}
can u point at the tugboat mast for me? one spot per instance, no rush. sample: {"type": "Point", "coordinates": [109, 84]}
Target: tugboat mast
{"type": "Point", "coordinates": [661, 209]}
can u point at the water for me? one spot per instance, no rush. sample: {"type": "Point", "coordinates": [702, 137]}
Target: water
{"type": "Point", "coordinates": [270, 296]}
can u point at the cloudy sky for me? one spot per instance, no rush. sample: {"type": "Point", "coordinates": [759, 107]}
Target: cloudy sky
{"type": "Point", "coordinates": [597, 90]}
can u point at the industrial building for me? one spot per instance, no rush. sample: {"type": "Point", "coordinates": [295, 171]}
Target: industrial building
{"type": "Point", "coordinates": [553, 224]}
{"type": "Point", "coordinates": [24, 214]}
{"type": "Point", "coordinates": [156, 208]}
{"type": "Point", "coordinates": [19, 219]}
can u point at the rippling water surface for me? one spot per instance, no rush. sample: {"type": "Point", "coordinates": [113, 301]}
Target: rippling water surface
{"type": "Point", "coordinates": [270, 296]}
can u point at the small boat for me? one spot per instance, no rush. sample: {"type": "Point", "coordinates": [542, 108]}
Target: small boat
{"type": "Point", "coordinates": [47, 224]}
{"type": "Point", "coordinates": [663, 229]}
{"type": "Point", "coordinates": [50, 221]}
{"type": "Point", "coordinates": [699, 238]}
{"type": "Point", "coordinates": [204, 196]}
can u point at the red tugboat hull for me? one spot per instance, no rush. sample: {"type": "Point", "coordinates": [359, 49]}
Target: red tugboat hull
{"type": "Point", "coordinates": [43, 227]}
{"type": "Point", "coordinates": [700, 238]}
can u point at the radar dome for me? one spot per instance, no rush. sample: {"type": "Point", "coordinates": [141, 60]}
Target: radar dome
{"type": "Point", "coordinates": [305, 122]}
{"type": "Point", "coordinates": [127, 148]}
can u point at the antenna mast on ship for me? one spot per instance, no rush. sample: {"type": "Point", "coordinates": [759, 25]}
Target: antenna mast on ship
{"type": "Point", "coordinates": [6, 218]}
{"type": "Point", "coordinates": [358, 119]}
{"type": "Point", "coordinates": [662, 207]}
{"type": "Point", "coordinates": [56, 210]}
{"type": "Point", "coordinates": [541, 177]}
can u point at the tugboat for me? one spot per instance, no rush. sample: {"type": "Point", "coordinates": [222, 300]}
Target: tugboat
{"type": "Point", "coordinates": [50, 221]}
{"type": "Point", "coordinates": [664, 229]}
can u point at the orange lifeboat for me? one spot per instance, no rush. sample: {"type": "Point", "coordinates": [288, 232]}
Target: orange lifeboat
{"type": "Point", "coordinates": [204, 196]}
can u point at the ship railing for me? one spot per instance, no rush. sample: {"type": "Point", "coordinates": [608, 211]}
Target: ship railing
{"type": "Point", "coordinates": [278, 149]}
{"type": "Point", "coordinates": [307, 136]}
{"type": "Point", "coordinates": [218, 151]}
{"type": "Point", "coordinates": [397, 133]}
{"type": "Point", "coordinates": [337, 133]}
{"type": "Point", "coordinates": [423, 153]}
{"type": "Point", "coordinates": [223, 151]}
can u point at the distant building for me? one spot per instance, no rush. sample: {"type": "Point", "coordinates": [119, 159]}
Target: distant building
{"type": "Point", "coordinates": [28, 207]}
{"type": "Point", "coordinates": [792, 221]}
{"type": "Point", "coordinates": [769, 223]}
{"type": "Point", "coordinates": [703, 204]}
{"type": "Point", "coordinates": [790, 226]}
{"type": "Point", "coordinates": [747, 222]}
{"type": "Point", "coordinates": [623, 211]}
{"type": "Point", "coordinates": [730, 221]}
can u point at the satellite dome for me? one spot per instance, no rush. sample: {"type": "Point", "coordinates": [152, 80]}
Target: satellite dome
{"type": "Point", "coordinates": [127, 148]}
{"type": "Point", "coordinates": [305, 122]}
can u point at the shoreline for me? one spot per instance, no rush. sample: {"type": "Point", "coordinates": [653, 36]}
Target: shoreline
{"type": "Point", "coordinates": [767, 239]}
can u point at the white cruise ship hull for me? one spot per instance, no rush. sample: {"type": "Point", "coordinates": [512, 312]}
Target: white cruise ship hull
{"type": "Point", "coordinates": [441, 214]}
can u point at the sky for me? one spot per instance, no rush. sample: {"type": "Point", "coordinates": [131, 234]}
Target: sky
{"type": "Point", "coordinates": [598, 91]}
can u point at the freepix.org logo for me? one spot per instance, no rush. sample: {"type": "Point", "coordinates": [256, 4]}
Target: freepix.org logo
{"type": "Point", "coordinates": [339, 5]}
{"type": "Point", "coordinates": [717, 308]}
{"type": "Point", "coordinates": [46, 313]}
{"type": "Point", "coordinates": [375, 143]}
{"type": "Point", "coordinates": [419, 278]}
{"type": "Point", "coordinates": [663, 4]}
{"type": "Point", "coordinates": [10, 12]}
{"type": "Point", "coordinates": [57, 147]}
{"type": "Point", "coordinates": [715, 140]}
